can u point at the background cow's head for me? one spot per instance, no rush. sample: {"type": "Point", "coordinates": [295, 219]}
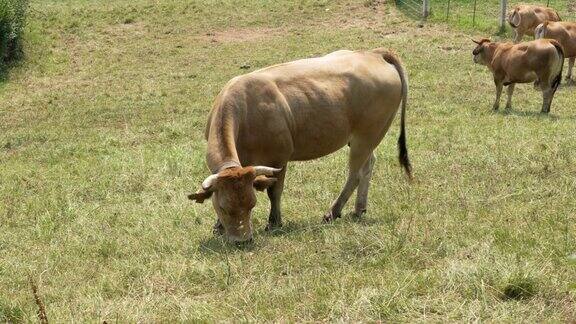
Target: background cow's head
{"type": "Point", "coordinates": [233, 197]}
{"type": "Point", "coordinates": [481, 51]}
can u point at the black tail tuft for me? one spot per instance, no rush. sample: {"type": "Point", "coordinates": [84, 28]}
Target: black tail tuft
{"type": "Point", "coordinates": [403, 154]}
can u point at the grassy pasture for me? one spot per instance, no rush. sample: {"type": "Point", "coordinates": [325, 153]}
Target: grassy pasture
{"type": "Point", "coordinates": [101, 138]}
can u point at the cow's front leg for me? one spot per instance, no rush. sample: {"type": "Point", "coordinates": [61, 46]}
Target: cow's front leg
{"type": "Point", "coordinates": [275, 194]}
{"type": "Point", "coordinates": [498, 94]}
{"type": "Point", "coordinates": [510, 93]}
{"type": "Point", "coordinates": [570, 67]}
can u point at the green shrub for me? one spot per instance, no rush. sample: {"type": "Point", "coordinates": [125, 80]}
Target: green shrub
{"type": "Point", "coordinates": [12, 18]}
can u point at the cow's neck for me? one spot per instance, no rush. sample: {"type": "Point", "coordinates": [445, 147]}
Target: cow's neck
{"type": "Point", "coordinates": [490, 53]}
{"type": "Point", "coordinates": [222, 152]}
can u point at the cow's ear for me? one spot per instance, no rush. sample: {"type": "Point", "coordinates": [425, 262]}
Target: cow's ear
{"type": "Point", "coordinates": [200, 196]}
{"type": "Point", "coordinates": [263, 182]}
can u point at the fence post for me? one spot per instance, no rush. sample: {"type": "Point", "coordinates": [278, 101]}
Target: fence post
{"type": "Point", "coordinates": [448, 10]}
{"type": "Point", "coordinates": [503, 4]}
{"type": "Point", "coordinates": [474, 15]}
{"type": "Point", "coordinates": [425, 9]}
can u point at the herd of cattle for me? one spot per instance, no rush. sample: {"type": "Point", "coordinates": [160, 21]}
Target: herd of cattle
{"type": "Point", "coordinates": [539, 61]}
{"type": "Point", "coordinates": [309, 108]}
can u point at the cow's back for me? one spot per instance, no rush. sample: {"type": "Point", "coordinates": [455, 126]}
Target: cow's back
{"type": "Point", "coordinates": [525, 61]}
{"type": "Point", "coordinates": [565, 34]}
{"type": "Point", "coordinates": [312, 107]}
{"type": "Point", "coordinates": [532, 16]}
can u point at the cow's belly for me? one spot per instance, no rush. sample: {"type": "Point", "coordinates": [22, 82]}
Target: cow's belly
{"type": "Point", "coordinates": [319, 131]}
{"type": "Point", "coordinates": [526, 77]}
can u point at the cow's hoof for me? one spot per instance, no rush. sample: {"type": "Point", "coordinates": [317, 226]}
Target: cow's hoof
{"type": "Point", "coordinates": [358, 214]}
{"type": "Point", "coordinates": [273, 226]}
{"type": "Point", "coordinates": [329, 217]}
{"type": "Point", "coordinates": [218, 229]}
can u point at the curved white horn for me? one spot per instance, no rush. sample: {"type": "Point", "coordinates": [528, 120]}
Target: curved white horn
{"type": "Point", "coordinates": [206, 184]}
{"type": "Point", "coordinates": [264, 170]}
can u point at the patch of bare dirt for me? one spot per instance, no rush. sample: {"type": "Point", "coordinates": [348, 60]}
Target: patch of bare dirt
{"type": "Point", "coordinates": [128, 28]}
{"type": "Point", "coordinates": [240, 35]}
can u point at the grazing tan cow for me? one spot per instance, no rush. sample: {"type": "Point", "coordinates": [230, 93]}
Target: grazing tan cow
{"type": "Point", "coordinates": [539, 60]}
{"type": "Point", "coordinates": [565, 34]}
{"type": "Point", "coordinates": [525, 18]}
{"type": "Point", "coordinates": [297, 111]}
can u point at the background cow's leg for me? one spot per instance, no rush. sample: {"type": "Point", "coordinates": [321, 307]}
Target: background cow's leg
{"type": "Point", "coordinates": [510, 93]}
{"type": "Point", "coordinates": [274, 194]}
{"type": "Point", "coordinates": [570, 67]}
{"type": "Point", "coordinates": [498, 94]}
{"type": "Point", "coordinates": [358, 156]}
{"type": "Point", "coordinates": [517, 36]}
{"type": "Point", "coordinates": [363, 185]}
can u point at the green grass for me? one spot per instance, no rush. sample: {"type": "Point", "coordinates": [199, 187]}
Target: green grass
{"type": "Point", "coordinates": [101, 138]}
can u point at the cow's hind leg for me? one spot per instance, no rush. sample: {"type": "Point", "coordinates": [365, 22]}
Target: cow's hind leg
{"type": "Point", "coordinates": [359, 154]}
{"type": "Point", "coordinates": [218, 228]}
{"type": "Point", "coordinates": [363, 185]}
{"type": "Point", "coordinates": [274, 194]}
{"type": "Point", "coordinates": [570, 67]}
{"type": "Point", "coordinates": [548, 91]}
{"type": "Point", "coordinates": [510, 93]}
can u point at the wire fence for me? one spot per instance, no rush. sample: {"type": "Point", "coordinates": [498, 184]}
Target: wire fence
{"type": "Point", "coordinates": [482, 15]}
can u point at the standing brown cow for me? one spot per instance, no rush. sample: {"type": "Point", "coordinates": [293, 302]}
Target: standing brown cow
{"type": "Point", "coordinates": [300, 110]}
{"type": "Point", "coordinates": [565, 34]}
{"type": "Point", "coordinates": [525, 18]}
{"type": "Point", "coordinates": [539, 60]}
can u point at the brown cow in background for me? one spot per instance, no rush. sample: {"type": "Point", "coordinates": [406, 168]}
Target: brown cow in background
{"type": "Point", "coordinates": [525, 18]}
{"type": "Point", "coordinates": [539, 60]}
{"type": "Point", "coordinates": [565, 34]}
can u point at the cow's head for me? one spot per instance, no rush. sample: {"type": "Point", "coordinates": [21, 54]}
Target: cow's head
{"type": "Point", "coordinates": [481, 51]}
{"type": "Point", "coordinates": [233, 197]}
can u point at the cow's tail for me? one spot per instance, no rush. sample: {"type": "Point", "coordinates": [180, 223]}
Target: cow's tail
{"type": "Point", "coordinates": [512, 18]}
{"type": "Point", "coordinates": [560, 51]}
{"type": "Point", "coordinates": [402, 148]}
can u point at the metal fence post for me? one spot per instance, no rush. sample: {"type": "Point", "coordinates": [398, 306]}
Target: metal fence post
{"type": "Point", "coordinates": [448, 10]}
{"type": "Point", "coordinates": [503, 4]}
{"type": "Point", "coordinates": [425, 9]}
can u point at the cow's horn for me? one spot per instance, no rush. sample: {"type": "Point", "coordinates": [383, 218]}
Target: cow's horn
{"type": "Point", "coordinates": [264, 170]}
{"type": "Point", "coordinates": [206, 184]}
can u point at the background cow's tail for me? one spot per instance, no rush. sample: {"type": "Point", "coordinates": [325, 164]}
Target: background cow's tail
{"type": "Point", "coordinates": [513, 17]}
{"type": "Point", "coordinates": [402, 149]}
{"type": "Point", "coordinates": [560, 51]}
